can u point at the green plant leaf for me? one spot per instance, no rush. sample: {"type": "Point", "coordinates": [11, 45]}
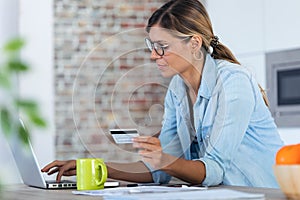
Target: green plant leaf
{"type": "Point", "coordinates": [6, 121]}
{"type": "Point", "coordinates": [38, 121]}
{"type": "Point", "coordinates": [17, 66]}
{"type": "Point", "coordinates": [35, 118]}
{"type": "Point", "coordinates": [26, 104]}
{"type": "Point", "coordinates": [14, 45]}
{"type": "Point", "coordinates": [23, 134]}
{"type": "Point", "coordinates": [14, 65]}
{"type": "Point", "coordinates": [31, 110]}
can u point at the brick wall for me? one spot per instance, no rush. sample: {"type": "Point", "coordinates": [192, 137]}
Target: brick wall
{"type": "Point", "coordinates": [103, 76]}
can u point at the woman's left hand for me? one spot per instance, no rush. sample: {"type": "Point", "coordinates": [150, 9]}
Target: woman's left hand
{"type": "Point", "coordinates": [152, 153]}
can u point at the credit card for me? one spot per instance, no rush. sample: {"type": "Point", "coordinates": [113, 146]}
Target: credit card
{"type": "Point", "coordinates": [123, 136]}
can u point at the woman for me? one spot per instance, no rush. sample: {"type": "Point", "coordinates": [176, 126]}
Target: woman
{"type": "Point", "coordinates": [217, 127]}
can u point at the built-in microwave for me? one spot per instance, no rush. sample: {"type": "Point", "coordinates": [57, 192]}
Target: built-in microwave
{"type": "Point", "coordinates": [283, 86]}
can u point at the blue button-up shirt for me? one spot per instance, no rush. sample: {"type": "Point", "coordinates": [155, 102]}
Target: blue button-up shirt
{"type": "Point", "coordinates": [233, 132]}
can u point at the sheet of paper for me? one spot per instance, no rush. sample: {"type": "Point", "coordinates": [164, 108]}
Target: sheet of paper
{"type": "Point", "coordinates": [166, 193]}
{"type": "Point", "coordinates": [136, 190]}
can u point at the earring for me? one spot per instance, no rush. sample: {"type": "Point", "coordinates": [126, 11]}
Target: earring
{"type": "Point", "coordinates": [210, 49]}
{"type": "Point", "coordinates": [198, 55]}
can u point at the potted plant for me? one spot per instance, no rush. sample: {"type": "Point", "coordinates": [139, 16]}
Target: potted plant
{"type": "Point", "coordinates": [12, 106]}
{"type": "Point", "coordinates": [12, 67]}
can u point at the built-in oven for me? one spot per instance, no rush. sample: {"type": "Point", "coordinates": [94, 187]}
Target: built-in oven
{"type": "Point", "coordinates": [283, 86]}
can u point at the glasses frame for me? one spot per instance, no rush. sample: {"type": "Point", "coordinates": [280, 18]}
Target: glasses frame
{"type": "Point", "coordinates": [157, 47]}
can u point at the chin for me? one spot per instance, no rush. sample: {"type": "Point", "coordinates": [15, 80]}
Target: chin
{"type": "Point", "coordinates": [167, 74]}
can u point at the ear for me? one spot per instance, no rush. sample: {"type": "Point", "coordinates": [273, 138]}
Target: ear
{"type": "Point", "coordinates": [196, 43]}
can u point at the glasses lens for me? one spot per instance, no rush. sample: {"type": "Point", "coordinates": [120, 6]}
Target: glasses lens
{"type": "Point", "coordinates": [148, 44]}
{"type": "Point", "coordinates": [158, 49]}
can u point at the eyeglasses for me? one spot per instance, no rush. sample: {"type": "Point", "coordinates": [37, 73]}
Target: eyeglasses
{"type": "Point", "coordinates": [159, 48]}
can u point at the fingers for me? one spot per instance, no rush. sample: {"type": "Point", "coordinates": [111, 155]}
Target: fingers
{"type": "Point", "coordinates": [53, 171]}
{"type": "Point", "coordinates": [148, 147]}
{"type": "Point", "coordinates": [151, 151]}
{"type": "Point", "coordinates": [65, 173]}
{"type": "Point", "coordinates": [55, 163]}
{"type": "Point", "coordinates": [146, 139]}
{"type": "Point", "coordinates": [70, 173]}
{"type": "Point", "coordinates": [69, 169]}
{"type": "Point", "coordinates": [62, 172]}
{"type": "Point", "coordinates": [64, 168]}
{"type": "Point", "coordinates": [147, 143]}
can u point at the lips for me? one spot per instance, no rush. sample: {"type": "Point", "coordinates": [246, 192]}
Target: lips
{"type": "Point", "coordinates": [162, 67]}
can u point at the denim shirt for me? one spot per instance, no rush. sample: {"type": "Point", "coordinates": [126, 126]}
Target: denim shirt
{"type": "Point", "coordinates": [236, 137]}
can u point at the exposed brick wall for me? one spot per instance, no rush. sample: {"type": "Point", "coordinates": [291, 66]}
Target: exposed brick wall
{"type": "Point", "coordinates": [103, 76]}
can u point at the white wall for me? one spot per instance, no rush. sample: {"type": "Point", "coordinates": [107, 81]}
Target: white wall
{"type": "Point", "coordinates": [32, 19]}
{"type": "Point", "coordinates": [36, 25]}
{"type": "Point", "coordinates": [8, 29]}
{"type": "Point", "coordinates": [252, 28]}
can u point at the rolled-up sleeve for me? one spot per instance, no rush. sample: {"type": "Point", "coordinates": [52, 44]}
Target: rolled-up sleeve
{"type": "Point", "coordinates": [214, 172]}
{"type": "Point", "coordinates": [235, 103]}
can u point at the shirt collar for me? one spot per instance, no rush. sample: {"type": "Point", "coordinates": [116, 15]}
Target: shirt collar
{"type": "Point", "coordinates": [209, 78]}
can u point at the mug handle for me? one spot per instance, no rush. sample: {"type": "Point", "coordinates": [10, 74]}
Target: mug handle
{"type": "Point", "coordinates": [102, 167]}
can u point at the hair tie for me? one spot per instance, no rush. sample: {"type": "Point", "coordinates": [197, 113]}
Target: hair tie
{"type": "Point", "coordinates": [214, 42]}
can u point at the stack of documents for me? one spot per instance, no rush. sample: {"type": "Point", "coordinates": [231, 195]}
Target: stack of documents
{"type": "Point", "coordinates": [166, 193]}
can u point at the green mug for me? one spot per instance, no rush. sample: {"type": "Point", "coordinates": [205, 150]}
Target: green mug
{"type": "Point", "coordinates": [91, 173]}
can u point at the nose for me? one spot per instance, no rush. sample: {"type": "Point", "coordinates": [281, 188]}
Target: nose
{"type": "Point", "coordinates": [154, 55]}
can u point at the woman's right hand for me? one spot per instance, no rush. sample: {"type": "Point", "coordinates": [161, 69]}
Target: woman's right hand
{"type": "Point", "coordinates": [64, 168]}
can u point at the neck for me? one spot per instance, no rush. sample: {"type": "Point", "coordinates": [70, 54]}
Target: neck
{"type": "Point", "coordinates": [192, 78]}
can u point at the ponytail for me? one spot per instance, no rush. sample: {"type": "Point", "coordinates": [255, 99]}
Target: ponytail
{"type": "Point", "coordinates": [220, 51]}
{"type": "Point", "coordinates": [264, 95]}
{"type": "Point", "coordinates": [189, 17]}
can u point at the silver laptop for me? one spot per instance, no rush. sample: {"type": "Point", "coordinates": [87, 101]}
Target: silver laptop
{"type": "Point", "coordinates": [30, 170]}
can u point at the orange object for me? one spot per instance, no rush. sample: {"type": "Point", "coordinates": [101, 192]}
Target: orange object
{"type": "Point", "coordinates": [288, 155]}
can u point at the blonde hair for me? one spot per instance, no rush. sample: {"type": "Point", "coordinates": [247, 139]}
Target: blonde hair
{"type": "Point", "coordinates": [189, 17]}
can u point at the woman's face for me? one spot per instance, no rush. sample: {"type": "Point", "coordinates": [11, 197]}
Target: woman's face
{"type": "Point", "coordinates": [177, 54]}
